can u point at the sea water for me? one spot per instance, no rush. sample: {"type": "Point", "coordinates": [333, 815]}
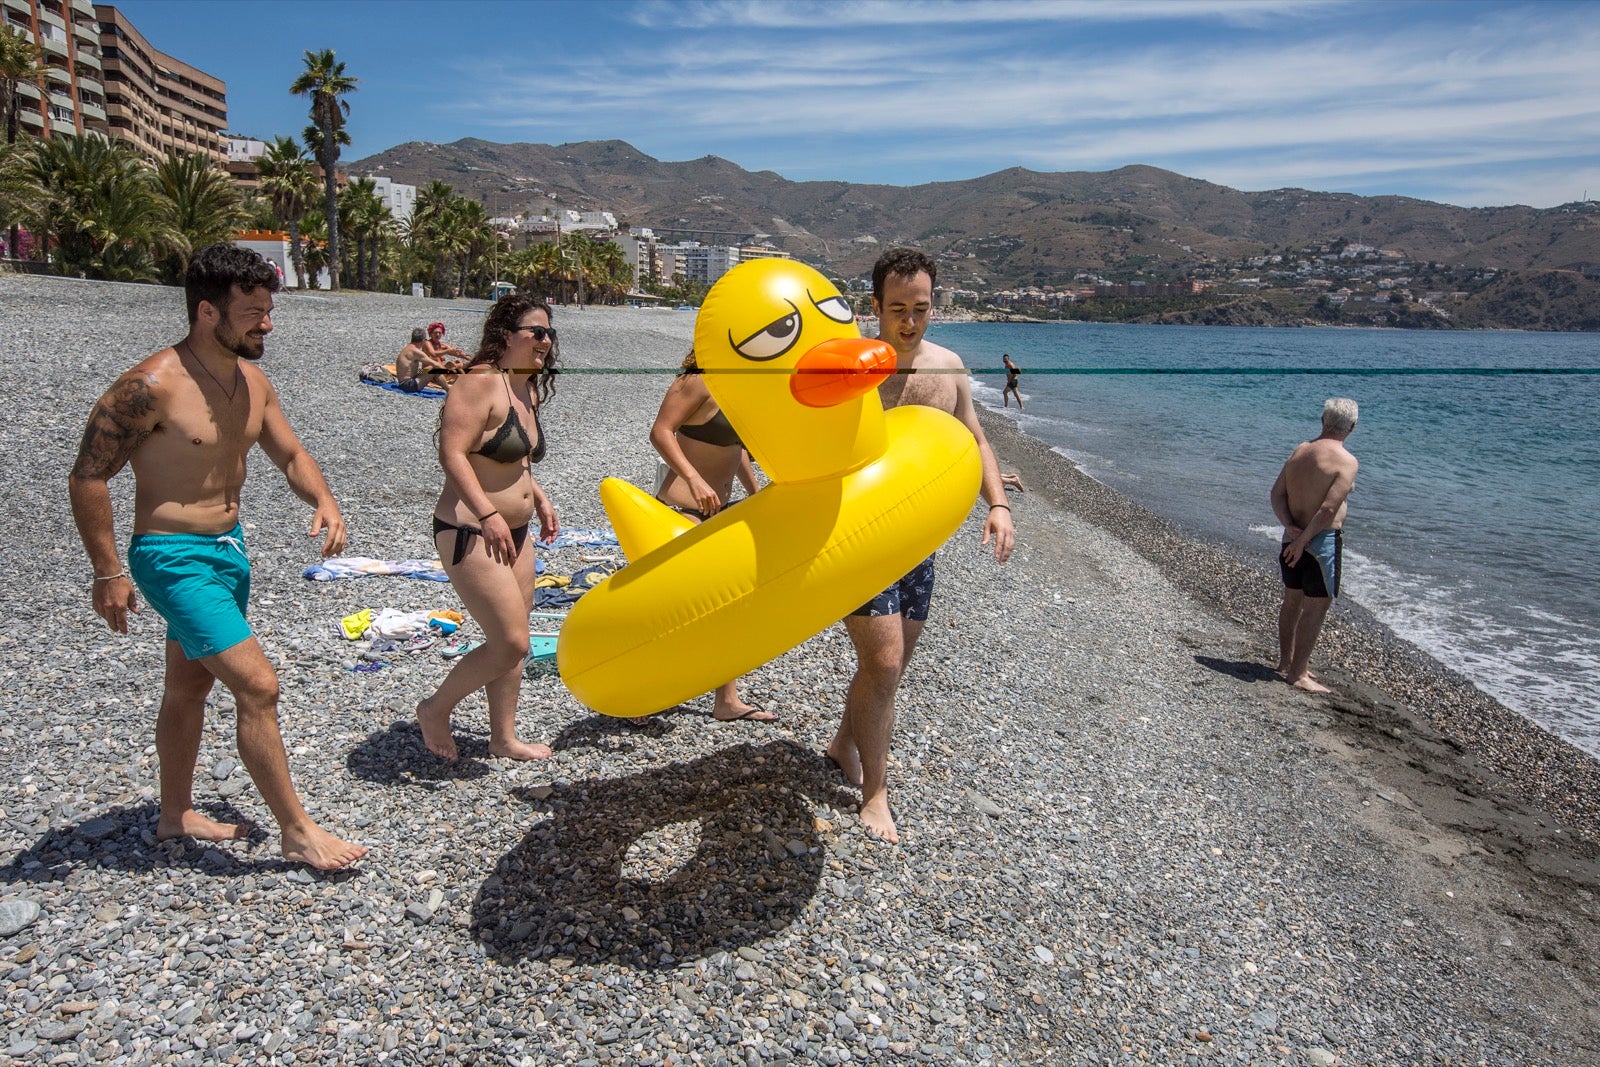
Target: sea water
{"type": "Point", "coordinates": [1471, 528]}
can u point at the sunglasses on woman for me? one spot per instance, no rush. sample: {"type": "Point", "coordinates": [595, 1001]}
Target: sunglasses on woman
{"type": "Point", "coordinates": [539, 332]}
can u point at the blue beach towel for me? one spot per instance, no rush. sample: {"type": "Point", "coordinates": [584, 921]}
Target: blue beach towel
{"type": "Point", "coordinates": [428, 393]}
{"type": "Point", "coordinates": [338, 567]}
{"type": "Point", "coordinates": [603, 538]}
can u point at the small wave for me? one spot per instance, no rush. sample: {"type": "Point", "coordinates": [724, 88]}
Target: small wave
{"type": "Point", "coordinates": [1546, 669]}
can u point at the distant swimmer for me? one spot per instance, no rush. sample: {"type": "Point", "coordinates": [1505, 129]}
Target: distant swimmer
{"type": "Point", "coordinates": [1310, 498]}
{"type": "Point", "coordinates": [184, 420]}
{"type": "Point", "coordinates": [1013, 375]}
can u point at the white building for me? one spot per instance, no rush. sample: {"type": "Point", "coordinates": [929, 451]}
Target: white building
{"type": "Point", "coordinates": [245, 149]}
{"type": "Point", "coordinates": [588, 220]}
{"type": "Point", "coordinates": [696, 262]}
{"type": "Point", "coordinates": [400, 199]}
{"type": "Point", "coordinates": [273, 246]}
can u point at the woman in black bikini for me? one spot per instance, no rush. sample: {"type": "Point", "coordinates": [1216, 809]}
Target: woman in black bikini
{"type": "Point", "coordinates": [489, 438]}
{"type": "Point", "coordinates": [703, 454]}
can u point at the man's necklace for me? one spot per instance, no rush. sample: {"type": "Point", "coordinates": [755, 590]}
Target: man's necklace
{"type": "Point", "coordinates": [213, 377]}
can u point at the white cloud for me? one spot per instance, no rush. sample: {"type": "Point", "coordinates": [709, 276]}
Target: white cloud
{"type": "Point", "coordinates": [971, 88]}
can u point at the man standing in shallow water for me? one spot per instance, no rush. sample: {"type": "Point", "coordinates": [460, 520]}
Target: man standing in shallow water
{"type": "Point", "coordinates": [885, 630]}
{"type": "Point", "coordinates": [1310, 498]}
{"type": "Point", "coordinates": [185, 419]}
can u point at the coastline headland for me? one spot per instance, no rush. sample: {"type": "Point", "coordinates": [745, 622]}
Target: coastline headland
{"type": "Point", "coordinates": [1123, 839]}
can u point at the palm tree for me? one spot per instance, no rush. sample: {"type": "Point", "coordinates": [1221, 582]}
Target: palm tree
{"type": "Point", "coordinates": [612, 276]}
{"type": "Point", "coordinates": [363, 215]}
{"type": "Point", "coordinates": [101, 204]}
{"type": "Point", "coordinates": [325, 81]}
{"type": "Point", "coordinates": [202, 203]}
{"type": "Point", "coordinates": [427, 229]}
{"type": "Point", "coordinates": [287, 180]}
{"type": "Point", "coordinates": [580, 254]}
{"type": "Point", "coordinates": [548, 271]}
{"type": "Point", "coordinates": [374, 220]}
{"type": "Point", "coordinates": [470, 235]}
{"type": "Point", "coordinates": [314, 242]}
{"type": "Point", "coordinates": [19, 61]}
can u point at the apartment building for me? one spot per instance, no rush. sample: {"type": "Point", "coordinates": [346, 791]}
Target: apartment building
{"type": "Point", "coordinates": [399, 198]}
{"type": "Point", "coordinates": [154, 101]}
{"type": "Point", "coordinates": [69, 96]}
{"type": "Point", "coordinates": [695, 261]}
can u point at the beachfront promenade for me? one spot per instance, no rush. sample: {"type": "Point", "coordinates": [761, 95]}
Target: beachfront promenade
{"type": "Point", "coordinates": [1123, 841]}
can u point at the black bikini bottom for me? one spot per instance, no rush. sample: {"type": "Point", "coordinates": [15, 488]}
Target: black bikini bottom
{"type": "Point", "coordinates": [465, 534]}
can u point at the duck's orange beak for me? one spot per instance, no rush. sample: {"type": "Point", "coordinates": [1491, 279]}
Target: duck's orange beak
{"type": "Point", "coordinates": [840, 369]}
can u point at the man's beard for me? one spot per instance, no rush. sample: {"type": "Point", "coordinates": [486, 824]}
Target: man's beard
{"type": "Point", "coordinates": [239, 344]}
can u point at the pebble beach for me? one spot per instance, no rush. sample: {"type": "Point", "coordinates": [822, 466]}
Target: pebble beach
{"type": "Point", "coordinates": [1123, 840]}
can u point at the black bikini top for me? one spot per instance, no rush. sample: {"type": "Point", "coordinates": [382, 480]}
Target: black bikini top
{"type": "Point", "coordinates": [716, 430]}
{"type": "Point", "coordinates": [510, 443]}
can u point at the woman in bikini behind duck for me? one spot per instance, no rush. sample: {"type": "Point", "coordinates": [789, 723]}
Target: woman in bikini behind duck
{"type": "Point", "coordinates": [703, 454]}
{"type": "Point", "coordinates": [489, 438]}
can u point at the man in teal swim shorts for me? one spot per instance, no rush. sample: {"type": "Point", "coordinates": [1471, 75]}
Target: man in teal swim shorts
{"type": "Point", "coordinates": [185, 419]}
{"type": "Point", "coordinates": [1310, 498]}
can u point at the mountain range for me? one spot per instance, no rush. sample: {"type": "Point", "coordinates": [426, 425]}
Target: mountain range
{"type": "Point", "coordinates": [1013, 227]}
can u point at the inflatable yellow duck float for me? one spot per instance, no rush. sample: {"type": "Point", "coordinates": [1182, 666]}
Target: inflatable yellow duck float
{"type": "Point", "coordinates": [857, 497]}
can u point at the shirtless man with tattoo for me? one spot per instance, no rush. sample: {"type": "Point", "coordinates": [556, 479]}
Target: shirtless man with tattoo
{"type": "Point", "coordinates": [885, 630]}
{"type": "Point", "coordinates": [185, 419]}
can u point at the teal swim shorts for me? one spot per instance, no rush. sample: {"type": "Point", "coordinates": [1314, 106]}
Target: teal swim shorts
{"type": "Point", "coordinates": [199, 583]}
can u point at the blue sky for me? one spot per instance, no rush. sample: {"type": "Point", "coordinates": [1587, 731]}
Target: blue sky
{"type": "Point", "coordinates": [1466, 103]}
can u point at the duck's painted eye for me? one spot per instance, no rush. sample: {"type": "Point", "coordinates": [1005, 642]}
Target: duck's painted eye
{"type": "Point", "coordinates": [836, 308]}
{"type": "Point", "coordinates": [773, 341]}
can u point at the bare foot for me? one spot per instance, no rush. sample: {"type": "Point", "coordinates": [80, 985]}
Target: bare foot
{"type": "Point", "coordinates": [738, 709]}
{"type": "Point", "coordinates": [515, 749]}
{"type": "Point", "coordinates": [879, 823]}
{"type": "Point", "coordinates": [847, 758]}
{"type": "Point", "coordinates": [317, 848]}
{"type": "Point", "coordinates": [192, 824]}
{"type": "Point", "coordinates": [436, 732]}
{"type": "Point", "coordinates": [1310, 685]}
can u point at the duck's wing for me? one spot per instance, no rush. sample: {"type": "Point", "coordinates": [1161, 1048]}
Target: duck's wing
{"type": "Point", "coordinates": [642, 522]}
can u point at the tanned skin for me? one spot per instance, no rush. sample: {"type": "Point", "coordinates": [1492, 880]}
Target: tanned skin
{"type": "Point", "coordinates": [415, 362]}
{"type": "Point", "coordinates": [701, 477]}
{"type": "Point", "coordinates": [928, 374]}
{"type": "Point", "coordinates": [185, 419]}
{"type": "Point", "coordinates": [494, 580]}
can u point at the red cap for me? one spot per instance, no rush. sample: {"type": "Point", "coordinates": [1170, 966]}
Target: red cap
{"type": "Point", "coordinates": [436, 326]}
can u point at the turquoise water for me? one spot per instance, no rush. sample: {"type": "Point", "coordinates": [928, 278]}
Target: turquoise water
{"type": "Point", "coordinates": [1470, 528]}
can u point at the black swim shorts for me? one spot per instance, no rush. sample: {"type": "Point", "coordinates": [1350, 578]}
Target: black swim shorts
{"type": "Point", "coordinates": [1317, 572]}
{"type": "Point", "coordinates": [910, 597]}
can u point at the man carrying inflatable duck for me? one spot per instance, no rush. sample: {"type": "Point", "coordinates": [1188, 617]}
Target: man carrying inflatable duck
{"type": "Point", "coordinates": [885, 630]}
